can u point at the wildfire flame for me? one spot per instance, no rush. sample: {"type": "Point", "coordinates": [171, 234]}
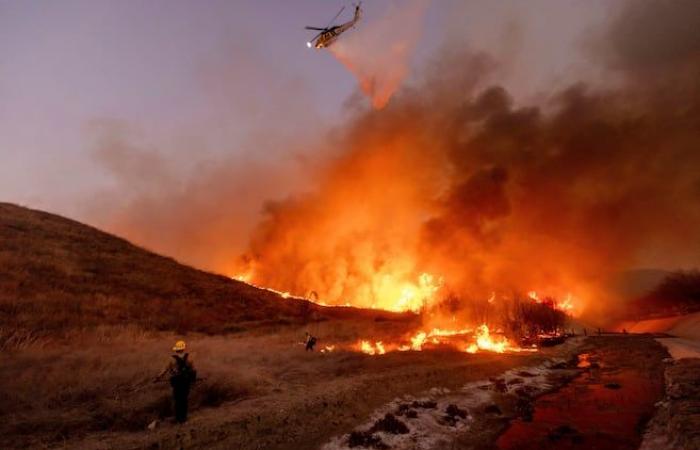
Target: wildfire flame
{"type": "Point", "coordinates": [567, 305]}
{"type": "Point", "coordinates": [418, 340]}
{"type": "Point", "coordinates": [368, 348]}
{"type": "Point", "coordinates": [392, 294]}
{"type": "Point", "coordinates": [484, 341]}
{"type": "Point", "coordinates": [415, 296]}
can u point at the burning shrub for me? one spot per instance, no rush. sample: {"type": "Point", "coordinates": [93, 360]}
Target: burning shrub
{"type": "Point", "coordinates": [528, 318]}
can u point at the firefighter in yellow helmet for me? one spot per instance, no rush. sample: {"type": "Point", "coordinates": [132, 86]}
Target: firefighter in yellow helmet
{"type": "Point", "coordinates": [182, 375]}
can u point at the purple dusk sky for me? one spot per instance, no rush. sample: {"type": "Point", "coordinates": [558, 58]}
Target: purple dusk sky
{"type": "Point", "coordinates": [202, 79]}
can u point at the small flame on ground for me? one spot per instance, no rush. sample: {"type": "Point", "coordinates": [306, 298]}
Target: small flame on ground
{"type": "Point", "coordinates": [484, 341]}
{"type": "Point", "coordinates": [244, 277]}
{"type": "Point", "coordinates": [368, 348]}
{"type": "Point", "coordinates": [418, 340]}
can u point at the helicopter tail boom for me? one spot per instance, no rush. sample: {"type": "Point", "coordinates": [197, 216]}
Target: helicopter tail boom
{"type": "Point", "coordinates": [358, 13]}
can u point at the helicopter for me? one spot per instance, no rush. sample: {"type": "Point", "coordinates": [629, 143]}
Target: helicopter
{"type": "Point", "coordinates": [329, 34]}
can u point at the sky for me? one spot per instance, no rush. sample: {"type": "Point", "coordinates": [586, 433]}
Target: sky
{"type": "Point", "coordinates": [201, 78]}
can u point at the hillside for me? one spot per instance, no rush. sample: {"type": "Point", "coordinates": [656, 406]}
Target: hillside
{"type": "Point", "coordinates": [685, 326]}
{"type": "Point", "coordinates": [632, 284]}
{"type": "Point", "coordinates": [57, 274]}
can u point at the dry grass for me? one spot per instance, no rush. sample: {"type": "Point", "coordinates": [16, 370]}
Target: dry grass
{"type": "Point", "coordinates": [58, 275]}
{"type": "Point", "coordinates": [101, 380]}
{"type": "Point", "coordinates": [87, 320]}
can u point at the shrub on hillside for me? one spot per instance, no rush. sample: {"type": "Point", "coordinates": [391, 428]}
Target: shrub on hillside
{"type": "Point", "coordinates": [678, 293]}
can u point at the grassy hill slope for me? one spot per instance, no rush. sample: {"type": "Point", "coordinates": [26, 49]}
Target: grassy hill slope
{"type": "Point", "coordinates": [57, 274]}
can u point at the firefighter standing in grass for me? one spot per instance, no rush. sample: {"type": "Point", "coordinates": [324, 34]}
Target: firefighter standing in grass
{"type": "Point", "coordinates": [309, 342]}
{"type": "Point", "coordinates": [182, 375]}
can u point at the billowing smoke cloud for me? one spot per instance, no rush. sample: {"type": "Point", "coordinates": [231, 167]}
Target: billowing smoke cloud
{"type": "Point", "coordinates": [379, 54]}
{"type": "Point", "coordinates": [454, 180]}
{"type": "Point", "coordinates": [200, 214]}
{"type": "Point", "coordinates": [191, 198]}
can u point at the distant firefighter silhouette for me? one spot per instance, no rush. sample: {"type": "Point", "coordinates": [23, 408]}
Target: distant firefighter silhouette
{"type": "Point", "coordinates": [310, 342]}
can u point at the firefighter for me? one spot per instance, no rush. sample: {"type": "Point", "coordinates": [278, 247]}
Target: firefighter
{"type": "Point", "coordinates": [310, 342]}
{"type": "Point", "coordinates": [181, 375]}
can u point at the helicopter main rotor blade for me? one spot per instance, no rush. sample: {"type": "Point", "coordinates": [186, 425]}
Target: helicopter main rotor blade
{"type": "Point", "coordinates": [315, 28]}
{"type": "Point", "coordinates": [335, 17]}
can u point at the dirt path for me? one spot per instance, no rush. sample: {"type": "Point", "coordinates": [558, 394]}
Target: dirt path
{"type": "Point", "coordinates": [676, 425]}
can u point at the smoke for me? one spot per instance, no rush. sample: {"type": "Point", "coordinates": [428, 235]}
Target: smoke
{"type": "Point", "coordinates": [455, 180]}
{"type": "Point", "coordinates": [379, 53]}
{"type": "Point", "coordinates": [201, 214]}
{"type": "Point", "coordinates": [190, 194]}
{"type": "Point", "coordinates": [453, 183]}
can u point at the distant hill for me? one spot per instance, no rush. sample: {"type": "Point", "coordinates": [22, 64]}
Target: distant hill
{"type": "Point", "coordinates": [678, 293]}
{"type": "Point", "coordinates": [631, 284]}
{"type": "Point", "coordinates": [57, 274]}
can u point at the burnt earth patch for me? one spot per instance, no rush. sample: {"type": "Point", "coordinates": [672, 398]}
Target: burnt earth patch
{"type": "Point", "coordinates": [389, 424]}
{"type": "Point", "coordinates": [365, 439]}
{"type": "Point", "coordinates": [453, 414]}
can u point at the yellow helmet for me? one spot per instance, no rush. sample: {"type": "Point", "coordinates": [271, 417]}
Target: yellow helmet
{"type": "Point", "coordinates": [179, 346]}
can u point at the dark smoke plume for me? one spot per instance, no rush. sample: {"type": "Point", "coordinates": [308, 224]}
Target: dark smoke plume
{"type": "Point", "coordinates": [453, 178]}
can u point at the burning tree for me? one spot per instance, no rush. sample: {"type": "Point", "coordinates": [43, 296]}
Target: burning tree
{"type": "Point", "coordinates": [519, 316]}
{"type": "Point", "coordinates": [526, 318]}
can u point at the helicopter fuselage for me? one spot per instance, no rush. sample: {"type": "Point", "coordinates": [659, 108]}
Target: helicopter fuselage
{"type": "Point", "coordinates": [329, 35]}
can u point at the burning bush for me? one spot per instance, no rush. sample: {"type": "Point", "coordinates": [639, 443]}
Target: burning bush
{"type": "Point", "coordinates": [532, 318]}
{"type": "Point", "coordinates": [518, 315]}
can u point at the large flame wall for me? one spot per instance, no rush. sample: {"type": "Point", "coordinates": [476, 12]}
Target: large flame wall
{"type": "Point", "coordinates": [454, 182]}
{"type": "Point", "coordinates": [454, 188]}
